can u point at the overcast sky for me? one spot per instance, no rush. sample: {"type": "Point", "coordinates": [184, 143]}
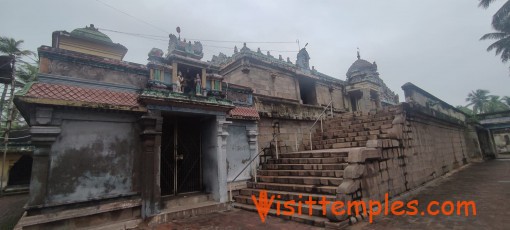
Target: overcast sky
{"type": "Point", "coordinates": [433, 44]}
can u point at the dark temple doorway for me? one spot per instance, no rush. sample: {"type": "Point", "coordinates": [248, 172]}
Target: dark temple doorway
{"type": "Point", "coordinates": [180, 156]}
{"type": "Point", "coordinates": [21, 171]}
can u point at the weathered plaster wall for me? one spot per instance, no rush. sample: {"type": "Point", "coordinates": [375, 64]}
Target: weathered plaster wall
{"type": "Point", "coordinates": [265, 82]}
{"type": "Point", "coordinates": [93, 159]}
{"type": "Point", "coordinates": [239, 149]}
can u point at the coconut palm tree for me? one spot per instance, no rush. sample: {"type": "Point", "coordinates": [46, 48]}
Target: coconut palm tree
{"type": "Point", "coordinates": [495, 104]}
{"type": "Point", "coordinates": [10, 46]}
{"type": "Point", "coordinates": [478, 99]}
{"type": "Point", "coordinates": [500, 18]}
{"type": "Point", "coordinates": [506, 100]}
{"type": "Point", "coordinates": [501, 23]}
{"type": "Point", "coordinates": [502, 45]}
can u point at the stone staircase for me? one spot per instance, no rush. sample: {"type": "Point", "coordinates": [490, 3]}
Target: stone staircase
{"type": "Point", "coordinates": [316, 173]}
{"type": "Point", "coordinates": [297, 176]}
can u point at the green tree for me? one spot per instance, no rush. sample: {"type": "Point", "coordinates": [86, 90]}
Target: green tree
{"type": "Point", "coordinates": [478, 99]}
{"type": "Point", "coordinates": [502, 45]}
{"type": "Point", "coordinates": [506, 100]}
{"type": "Point", "coordinates": [501, 23]}
{"type": "Point", "coordinates": [27, 73]}
{"type": "Point", "coordinates": [495, 105]}
{"type": "Point", "coordinates": [10, 46]}
{"type": "Point", "coordinates": [500, 18]}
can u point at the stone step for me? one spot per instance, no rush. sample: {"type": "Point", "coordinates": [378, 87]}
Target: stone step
{"type": "Point", "coordinates": [339, 166]}
{"type": "Point", "coordinates": [321, 181]}
{"type": "Point", "coordinates": [187, 211]}
{"type": "Point", "coordinates": [182, 200]}
{"type": "Point", "coordinates": [302, 173]}
{"type": "Point", "coordinates": [294, 187]}
{"type": "Point", "coordinates": [307, 160]}
{"type": "Point", "coordinates": [285, 195]}
{"type": "Point", "coordinates": [305, 219]}
{"type": "Point", "coordinates": [315, 154]}
{"type": "Point", "coordinates": [305, 210]}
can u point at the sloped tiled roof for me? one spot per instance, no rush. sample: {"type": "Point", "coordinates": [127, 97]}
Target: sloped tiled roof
{"type": "Point", "coordinates": [68, 93]}
{"type": "Point", "coordinates": [244, 113]}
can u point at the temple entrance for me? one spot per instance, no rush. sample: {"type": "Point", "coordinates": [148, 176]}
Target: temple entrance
{"type": "Point", "coordinates": [180, 156]}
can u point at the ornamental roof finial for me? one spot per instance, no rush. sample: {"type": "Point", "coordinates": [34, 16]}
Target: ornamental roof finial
{"type": "Point", "coordinates": [358, 54]}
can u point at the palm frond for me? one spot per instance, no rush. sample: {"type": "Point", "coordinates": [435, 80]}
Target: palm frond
{"type": "Point", "coordinates": [485, 3]}
{"type": "Point", "coordinates": [500, 19]}
{"type": "Point", "coordinates": [497, 35]}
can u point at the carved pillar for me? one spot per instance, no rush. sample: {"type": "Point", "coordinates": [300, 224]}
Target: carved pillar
{"type": "Point", "coordinates": [222, 157]}
{"type": "Point", "coordinates": [151, 125]}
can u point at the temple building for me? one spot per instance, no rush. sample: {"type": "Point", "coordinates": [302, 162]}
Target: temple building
{"type": "Point", "coordinates": [126, 144]}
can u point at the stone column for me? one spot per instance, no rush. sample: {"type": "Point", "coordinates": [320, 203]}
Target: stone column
{"type": "Point", "coordinates": [174, 72]}
{"type": "Point", "coordinates": [42, 139]}
{"type": "Point", "coordinates": [251, 132]}
{"type": "Point", "coordinates": [151, 125]}
{"type": "Point", "coordinates": [43, 133]}
{"type": "Point", "coordinates": [204, 79]}
{"type": "Point", "coordinates": [221, 153]}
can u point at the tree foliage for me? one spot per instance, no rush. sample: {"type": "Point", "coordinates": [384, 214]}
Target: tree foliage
{"type": "Point", "coordinates": [500, 23]}
{"type": "Point", "coordinates": [483, 102]}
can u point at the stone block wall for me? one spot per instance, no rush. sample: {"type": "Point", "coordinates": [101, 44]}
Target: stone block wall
{"type": "Point", "coordinates": [265, 82]}
{"type": "Point", "coordinates": [289, 132]}
{"type": "Point", "coordinates": [412, 149]}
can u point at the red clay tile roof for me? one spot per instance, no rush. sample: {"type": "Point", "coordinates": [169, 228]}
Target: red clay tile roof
{"type": "Point", "coordinates": [244, 113]}
{"type": "Point", "coordinates": [80, 94]}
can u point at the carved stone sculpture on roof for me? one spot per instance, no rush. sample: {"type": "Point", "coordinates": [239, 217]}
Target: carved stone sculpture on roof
{"type": "Point", "coordinates": [245, 48]}
{"type": "Point", "coordinates": [221, 58]}
{"type": "Point", "coordinates": [303, 59]}
{"type": "Point", "coordinates": [176, 46]}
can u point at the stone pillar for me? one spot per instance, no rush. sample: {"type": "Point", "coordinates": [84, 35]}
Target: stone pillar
{"type": "Point", "coordinates": [251, 132]}
{"type": "Point", "coordinates": [43, 134]}
{"type": "Point", "coordinates": [221, 156]}
{"type": "Point", "coordinates": [151, 125]}
{"type": "Point", "coordinates": [298, 91]}
{"type": "Point", "coordinates": [364, 102]}
{"type": "Point", "coordinates": [204, 79]}
{"type": "Point", "coordinates": [42, 139]}
{"type": "Point", "coordinates": [174, 72]}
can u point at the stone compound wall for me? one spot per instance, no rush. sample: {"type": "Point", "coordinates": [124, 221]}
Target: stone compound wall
{"type": "Point", "coordinates": [418, 148]}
